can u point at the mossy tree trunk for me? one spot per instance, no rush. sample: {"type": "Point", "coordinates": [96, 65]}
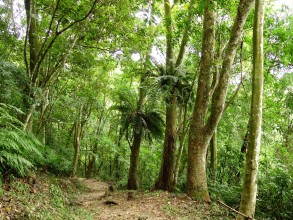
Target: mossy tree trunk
{"type": "Point", "coordinates": [248, 196]}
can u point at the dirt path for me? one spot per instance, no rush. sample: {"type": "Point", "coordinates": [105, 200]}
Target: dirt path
{"type": "Point", "coordinates": [150, 206]}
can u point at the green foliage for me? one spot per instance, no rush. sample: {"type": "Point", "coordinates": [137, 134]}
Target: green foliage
{"type": "Point", "coordinates": [50, 199]}
{"type": "Point", "coordinates": [148, 120]}
{"type": "Point", "coordinates": [230, 194]}
{"type": "Point", "coordinates": [276, 193]}
{"type": "Point", "coordinates": [12, 83]}
{"type": "Point", "coordinates": [57, 161]}
{"type": "Point", "coordinates": [19, 150]}
{"type": "Point", "coordinates": [148, 171]}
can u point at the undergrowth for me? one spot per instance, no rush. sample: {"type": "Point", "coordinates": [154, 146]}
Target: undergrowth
{"type": "Point", "coordinates": [49, 198]}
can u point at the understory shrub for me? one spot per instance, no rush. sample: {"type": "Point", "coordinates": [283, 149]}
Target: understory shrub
{"type": "Point", "coordinates": [275, 193]}
{"type": "Point", "coordinates": [19, 150]}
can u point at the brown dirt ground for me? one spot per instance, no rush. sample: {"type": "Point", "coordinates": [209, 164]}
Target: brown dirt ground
{"type": "Point", "coordinates": [151, 206]}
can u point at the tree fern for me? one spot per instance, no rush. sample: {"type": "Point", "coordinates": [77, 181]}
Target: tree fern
{"type": "Point", "coordinates": [18, 149]}
{"type": "Point", "coordinates": [148, 121]}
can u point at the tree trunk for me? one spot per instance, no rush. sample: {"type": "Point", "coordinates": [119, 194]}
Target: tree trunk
{"type": "Point", "coordinates": [181, 137]}
{"type": "Point", "coordinates": [91, 165]}
{"type": "Point", "coordinates": [248, 196]}
{"type": "Point", "coordinates": [76, 140]}
{"type": "Point", "coordinates": [134, 158]}
{"type": "Point", "coordinates": [214, 156]}
{"type": "Point", "coordinates": [76, 148]}
{"type": "Point", "coordinates": [198, 139]}
{"type": "Point", "coordinates": [165, 180]}
{"type": "Point", "coordinates": [201, 132]}
{"type": "Point", "coordinates": [197, 182]}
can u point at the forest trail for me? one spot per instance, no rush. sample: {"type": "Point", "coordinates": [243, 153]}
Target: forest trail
{"type": "Point", "coordinates": [150, 206]}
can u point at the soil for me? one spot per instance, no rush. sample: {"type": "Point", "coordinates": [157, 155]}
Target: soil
{"type": "Point", "coordinates": [152, 205]}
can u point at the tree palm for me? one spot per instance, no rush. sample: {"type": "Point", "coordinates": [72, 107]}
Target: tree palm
{"type": "Point", "coordinates": [137, 121]}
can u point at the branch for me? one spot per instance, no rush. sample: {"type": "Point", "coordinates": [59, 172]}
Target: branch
{"type": "Point", "coordinates": [79, 20]}
{"type": "Point", "coordinates": [50, 26]}
{"type": "Point", "coordinates": [185, 36]}
{"type": "Point", "coordinates": [235, 94]}
{"type": "Point", "coordinates": [234, 210]}
{"type": "Point", "coordinates": [62, 31]}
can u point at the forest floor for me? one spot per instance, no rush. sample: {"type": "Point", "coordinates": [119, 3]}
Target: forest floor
{"type": "Point", "coordinates": [156, 205]}
{"type": "Point", "coordinates": [54, 198]}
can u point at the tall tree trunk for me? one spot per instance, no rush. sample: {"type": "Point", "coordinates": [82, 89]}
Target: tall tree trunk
{"type": "Point", "coordinates": [76, 141]}
{"type": "Point", "coordinates": [201, 132]}
{"type": "Point", "coordinates": [33, 45]}
{"type": "Point", "coordinates": [82, 116]}
{"type": "Point", "coordinates": [92, 158]}
{"type": "Point", "coordinates": [248, 196]}
{"type": "Point", "coordinates": [165, 180]}
{"type": "Point", "coordinates": [137, 136]}
{"type": "Point", "coordinates": [198, 139]}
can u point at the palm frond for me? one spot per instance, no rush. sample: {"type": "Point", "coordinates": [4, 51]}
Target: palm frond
{"type": "Point", "coordinates": [154, 123]}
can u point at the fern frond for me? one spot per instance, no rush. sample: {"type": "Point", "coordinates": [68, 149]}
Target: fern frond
{"type": "Point", "coordinates": [18, 148]}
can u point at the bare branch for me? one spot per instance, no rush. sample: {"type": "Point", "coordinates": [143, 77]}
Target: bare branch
{"type": "Point", "coordinates": [234, 210]}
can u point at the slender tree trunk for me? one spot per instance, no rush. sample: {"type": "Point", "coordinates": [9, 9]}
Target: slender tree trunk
{"type": "Point", "coordinates": [181, 137]}
{"type": "Point", "coordinates": [165, 179]}
{"type": "Point", "coordinates": [201, 132]}
{"type": "Point", "coordinates": [248, 196]}
{"type": "Point", "coordinates": [134, 159]}
{"type": "Point", "coordinates": [76, 140]}
{"type": "Point", "coordinates": [214, 156]}
{"type": "Point", "coordinates": [77, 137]}
{"type": "Point", "coordinates": [137, 136]}
{"type": "Point", "coordinates": [31, 62]}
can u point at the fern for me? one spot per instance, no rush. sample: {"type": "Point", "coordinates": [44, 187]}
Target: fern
{"type": "Point", "coordinates": [18, 148]}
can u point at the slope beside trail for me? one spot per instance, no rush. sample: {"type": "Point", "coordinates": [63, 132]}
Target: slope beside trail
{"type": "Point", "coordinates": [151, 206]}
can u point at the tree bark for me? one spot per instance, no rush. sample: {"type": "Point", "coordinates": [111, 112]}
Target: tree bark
{"type": "Point", "coordinates": [134, 159]}
{"type": "Point", "coordinates": [198, 139]}
{"type": "Point", "coordinates": [201, 132]}
{"type": "Point", "coordinates": [76, 141]}
{"type": "Point", "coordinates": [248, 196]}
{"type": "Point", "coordinates": [165, 180]}
{"type": "Point", "coordinates": [214, 156]}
